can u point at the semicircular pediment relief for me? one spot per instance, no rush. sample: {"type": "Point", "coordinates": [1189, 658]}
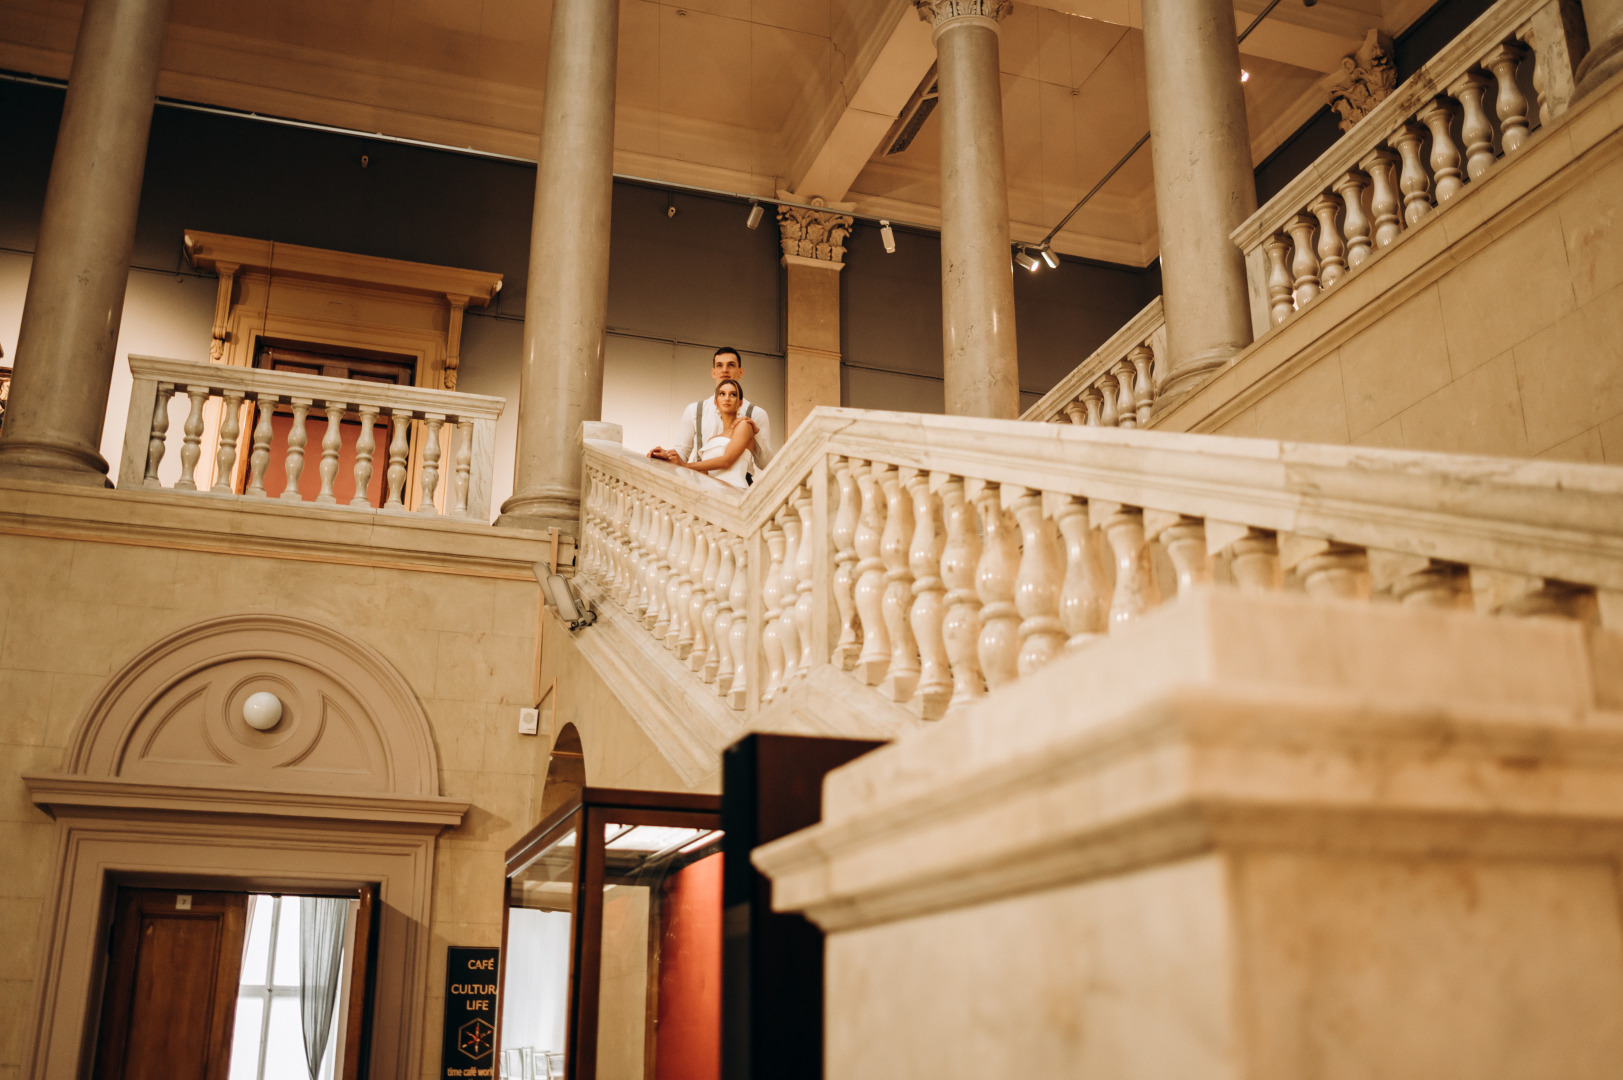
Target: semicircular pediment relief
{"type": "Point", "coordinates": [349, 722]}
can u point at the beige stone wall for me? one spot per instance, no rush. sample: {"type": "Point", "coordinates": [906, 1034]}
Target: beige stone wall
{"type": "Point", "coordinates": [1495, 327]}
{"type": "Point", "coordinates": [74, 610]}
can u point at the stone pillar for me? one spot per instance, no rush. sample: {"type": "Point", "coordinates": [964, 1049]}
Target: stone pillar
{"type": "Point", "coordinates": [561, 378]}
{"type": "Point", "coordinates": [75, 299]}
{"type": "Point", "coordinates": [977, 275]}
{"type": "Point", "coordinates": [1203, 182]}
{"type": "Point", "coordinates": [1603, 19]}
{"type": "Point", "coordinates": [813, 256]}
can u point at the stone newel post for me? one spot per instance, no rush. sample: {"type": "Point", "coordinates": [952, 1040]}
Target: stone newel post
{"type": "Point", "coordinates": [561, 378]}
{"type": "Point", "coordinates": [75, 300]}
{"type": "Point", "coordinates": [977, 277]}
{"type": "Point", "coordinates": [1203, 182]}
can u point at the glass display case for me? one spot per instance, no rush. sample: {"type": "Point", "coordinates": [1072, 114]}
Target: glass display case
{"type": "Point", "coordinates": [611, 941]}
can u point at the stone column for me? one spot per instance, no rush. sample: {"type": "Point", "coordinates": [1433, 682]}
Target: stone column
{"type": "Point", "coordinates": [813, 256]}
{"type": "Point", "coordinates": [561, 378]}
{"type": "Point", "coordinates": [977, 275]}
{"type": "Point", "coordinates": [1203, 182]}
{"type": "Point", "coordinates": [1603, 19]}
{"type": "Point", "coordinates": [75, 299]}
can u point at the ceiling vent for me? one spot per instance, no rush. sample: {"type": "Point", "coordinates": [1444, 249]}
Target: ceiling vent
{"type": "Point", "coordinates": [917, 111]}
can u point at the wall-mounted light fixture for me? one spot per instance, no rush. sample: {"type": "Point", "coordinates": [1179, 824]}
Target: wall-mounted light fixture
{"type": "Point", "coordinates": [1025, 259]}
{"type": "Point", "coordinates": [756, 212]}
{"type": "Point", "coordinates": [887, 236]}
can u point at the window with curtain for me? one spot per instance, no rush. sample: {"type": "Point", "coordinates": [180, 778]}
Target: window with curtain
{"type": "Point", "coordinates": [269, 1043]}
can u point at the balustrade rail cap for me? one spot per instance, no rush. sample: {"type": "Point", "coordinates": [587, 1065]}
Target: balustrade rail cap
{"type": "Point", "coordinates": [1451, 61]}
{"type": "Point", "coordinates": [319, 389]}
{"type": "Point", "coordinates": [1132, 334]}
{"type": "Point", "coordinates": [208, 250]}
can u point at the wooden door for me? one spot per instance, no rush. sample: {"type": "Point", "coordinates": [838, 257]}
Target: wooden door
{"type": "Point", "coordinates": [171, 992]}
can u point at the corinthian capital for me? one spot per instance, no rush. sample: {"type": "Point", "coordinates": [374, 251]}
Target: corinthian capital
{"type": "Point", "coordinates": [941, 12]}
{"type": "Point", "coordinates": [813, 234]}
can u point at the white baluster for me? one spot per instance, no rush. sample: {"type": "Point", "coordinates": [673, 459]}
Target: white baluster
{"type": "Point", "coordinates": [297, 436]}
{"type": "Point", "coordinates": [1331, 251]}
{"type": "Point", "coordinates": [331, 442]}
{"type": "Point", "coordinates": [718, 666]}
{"type": "Point", "coordinates": [462, 478]}
{"type": "Point", "coordinates": [772, 600]}
{"type": "Point", "coordinates": [1327, 569]}
{"type": "Point", "coordinates": [1380, 166]}
{"type": "Point", "coordinates": [1440, 585]}
{"type": "Point", "coordinates": [1185, 541]}
{"type": "Point", "coordinates": [1438, 116]}
{"type": "Point", "coordinates": [1142, 358]}
{"type": "Point", "coordinates": [658, 617]}
{"type": "Point", "coordinates": [1476, 129]}
{"type": "Point", "coordinates": [849, 642]}
{"type": "Point", "coordinates": [1109, 398]}
{"type": "Point", "coordinates": [156, 442]}
{"type": "Point", "coordinates": [1413, 180]}
{"type": "Point", "coordinates": [431, 463]}
{"type": "Point", "coordinates": [1093, 402]}
{"type": "Point", "coordinates": [1084, 603]}
{"type": "Point", "coordinates": [259, 457]}
{"type": "Point", "coordinates": [788, 593]}
{"type": "Point", "coordinates": [999, 644]}
{"type": "Point", "coordinates": [1136, 588]}
{"type": "Point", "coordinates": [225, 459]}
{"type": "Point", "coordinates": [698, 596]}
{"type": "Point", "coordinates": [1256, 561]}
{"type": "Point", "coordinates": [1280, 303]}
{"type": "Point", "coordinates": [1511, 103]}
{"type": "Point", "coordinates": [1304, 259]}
{"type": "Point", "coordinates": [1076, 412]}
{"type": "Point", "coordinates": [737, 688]}
{"type": "Point", "coordinates": [934, 687]}
{"type": "Point", "coordinates": [399, 447]}
{"type": "Point", "coordinates": [1038, 584]}
{"type": "Point", "coordinates": [902, 676]}
{"type": "Point", "coordinates": [366, 444]}
{"type": "Point", "coordinates": [805, 579]}
{"type": "Point", "coordinates": [870, 570]}
{"type": "Point", "coordinates": [961, 629]}
{"type": "Point", "coordinates": [704, 661]}
{"type": "Point", "coordinates": [1355, 222]}
{"type": "Point", "coordinates": [678, 586]}
{"type": "Point", "coordinates": [191, 447]}
{"type": "Point", "coordinates": [1126, 402]}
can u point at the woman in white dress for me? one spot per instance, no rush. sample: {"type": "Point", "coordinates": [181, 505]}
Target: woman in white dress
{"type": "Point", "coordinates": [728, 456]}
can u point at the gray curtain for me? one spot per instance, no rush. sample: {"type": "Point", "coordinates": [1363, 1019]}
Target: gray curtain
{"type": "Point", "coordinates": [321, 948]}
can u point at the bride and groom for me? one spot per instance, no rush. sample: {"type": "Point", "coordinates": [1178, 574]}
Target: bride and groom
{"type": "Point", "coordinates": [726, 436]}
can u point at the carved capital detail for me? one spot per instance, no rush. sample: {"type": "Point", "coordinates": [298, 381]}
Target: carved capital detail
{"type": "Point", "coordinates": [1365, 79]}
{"type": "Point", "coordinates": [940, 12]}
{"type": "Point", "coordinates": [814, 234]}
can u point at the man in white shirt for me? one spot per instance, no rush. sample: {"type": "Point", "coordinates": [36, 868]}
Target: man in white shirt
{"type": "Point", "coordinates": [696, 426]}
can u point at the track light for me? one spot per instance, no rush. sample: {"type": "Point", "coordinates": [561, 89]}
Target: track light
{"type": "Point", "coordinates": [1023, 257]}
{"type": "Point", "coordinates": [1245, 76]}
{"type": "Point", "coordinates": [756, 211]}
{"type": "Point", "coordinates": [887, 237]}
{"type": "Point", "coordinates": [1049, 257]}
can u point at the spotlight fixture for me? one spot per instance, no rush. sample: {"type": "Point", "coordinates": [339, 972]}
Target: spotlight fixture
{"type": "Point", "coordinates": [1049, 257]}
{"type": "Point", "coordinates": [1023, 257]}
{"type": "Point", "coordinates": [887, 236]}
{"type": "Point", "coordinates": [1245, 76]}
{"type": "Point", "coordinates": [756, 210]}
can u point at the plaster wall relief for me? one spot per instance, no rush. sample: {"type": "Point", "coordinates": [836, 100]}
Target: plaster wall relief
{"type": "Point", "coordinates": [1364, 81]}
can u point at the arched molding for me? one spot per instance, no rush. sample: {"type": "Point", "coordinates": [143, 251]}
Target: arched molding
{"type": "Point", "coordinates": [164, 782]}
{"type": "Point", "coordinates": [566, 770]}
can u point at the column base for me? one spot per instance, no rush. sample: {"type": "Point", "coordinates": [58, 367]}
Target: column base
{"type": "Point", "coordinates": [1189, 376]}
{"type": "Point", "coordinates": [1603, 61]}
{"type": "Point", "coordinates": [52, 464]}
{"type": "Point", "coordinates": [538, 513]}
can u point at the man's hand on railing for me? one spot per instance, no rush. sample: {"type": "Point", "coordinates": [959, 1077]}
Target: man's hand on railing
{"type": "Point", "coordinates": [661, 454]}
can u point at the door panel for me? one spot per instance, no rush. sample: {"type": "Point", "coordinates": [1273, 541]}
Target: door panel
{"type": "Point", "coordinates": [170, 1001]}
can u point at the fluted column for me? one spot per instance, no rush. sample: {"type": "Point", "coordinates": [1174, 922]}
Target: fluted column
{"type": "Point", "coordinates": [1604, 21]}
{"type": "Point", "coordinates": [1203, 182]}
{"type": "Point", "coordinates": [977, 279]}
{"type": "Point", "coordinates": [75, 299]}
{"type": "Point", "coordinates": [561, 379]}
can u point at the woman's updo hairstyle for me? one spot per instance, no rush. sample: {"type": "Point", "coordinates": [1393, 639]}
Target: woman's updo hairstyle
{"type": "Point", "coordinates": [736, 385]}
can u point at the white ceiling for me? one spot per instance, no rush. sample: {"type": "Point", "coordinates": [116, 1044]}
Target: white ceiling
{"type": "Point", "coordinates": [741, 95]}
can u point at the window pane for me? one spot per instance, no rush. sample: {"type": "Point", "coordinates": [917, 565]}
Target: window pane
{"type": "Point", "coordinates": [257, 952]}
{"type": "Point", "coordinates": [245, 1039]}
{"type": "Point", "coordinates": [287, 943]}
{"type": "Point", "coordinates": [284, 1049]}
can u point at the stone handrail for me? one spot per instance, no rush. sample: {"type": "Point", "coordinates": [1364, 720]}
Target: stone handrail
{"type": "Point", "coordinates": [935, 558]}
{"type": "Point", "coordinates": [1434, 136]}
{"type": "Point", "coordinates": [427, 427]}
{"type": "Point", "coordinates": [1117, 384]}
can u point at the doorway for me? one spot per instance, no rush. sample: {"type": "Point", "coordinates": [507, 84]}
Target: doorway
{"type": "Point", "coordinates": [215, 985]}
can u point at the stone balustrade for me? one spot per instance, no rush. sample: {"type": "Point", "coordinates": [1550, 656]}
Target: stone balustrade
{"type": "Point", "coordinates": [1117, 385]}
{"type": "Point", "coordinates": [435, 455]}
{"type": "Point", "coordinates": [1444, 129]}
{"type": "Point", "coordinates": [934, 559]}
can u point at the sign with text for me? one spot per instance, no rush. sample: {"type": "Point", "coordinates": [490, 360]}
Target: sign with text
{"type": "Point", "coordinates": [469, 1042]}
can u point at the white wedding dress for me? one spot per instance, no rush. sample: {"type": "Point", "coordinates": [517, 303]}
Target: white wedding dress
{"type": "Point", "coordinates": [715, 447]}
